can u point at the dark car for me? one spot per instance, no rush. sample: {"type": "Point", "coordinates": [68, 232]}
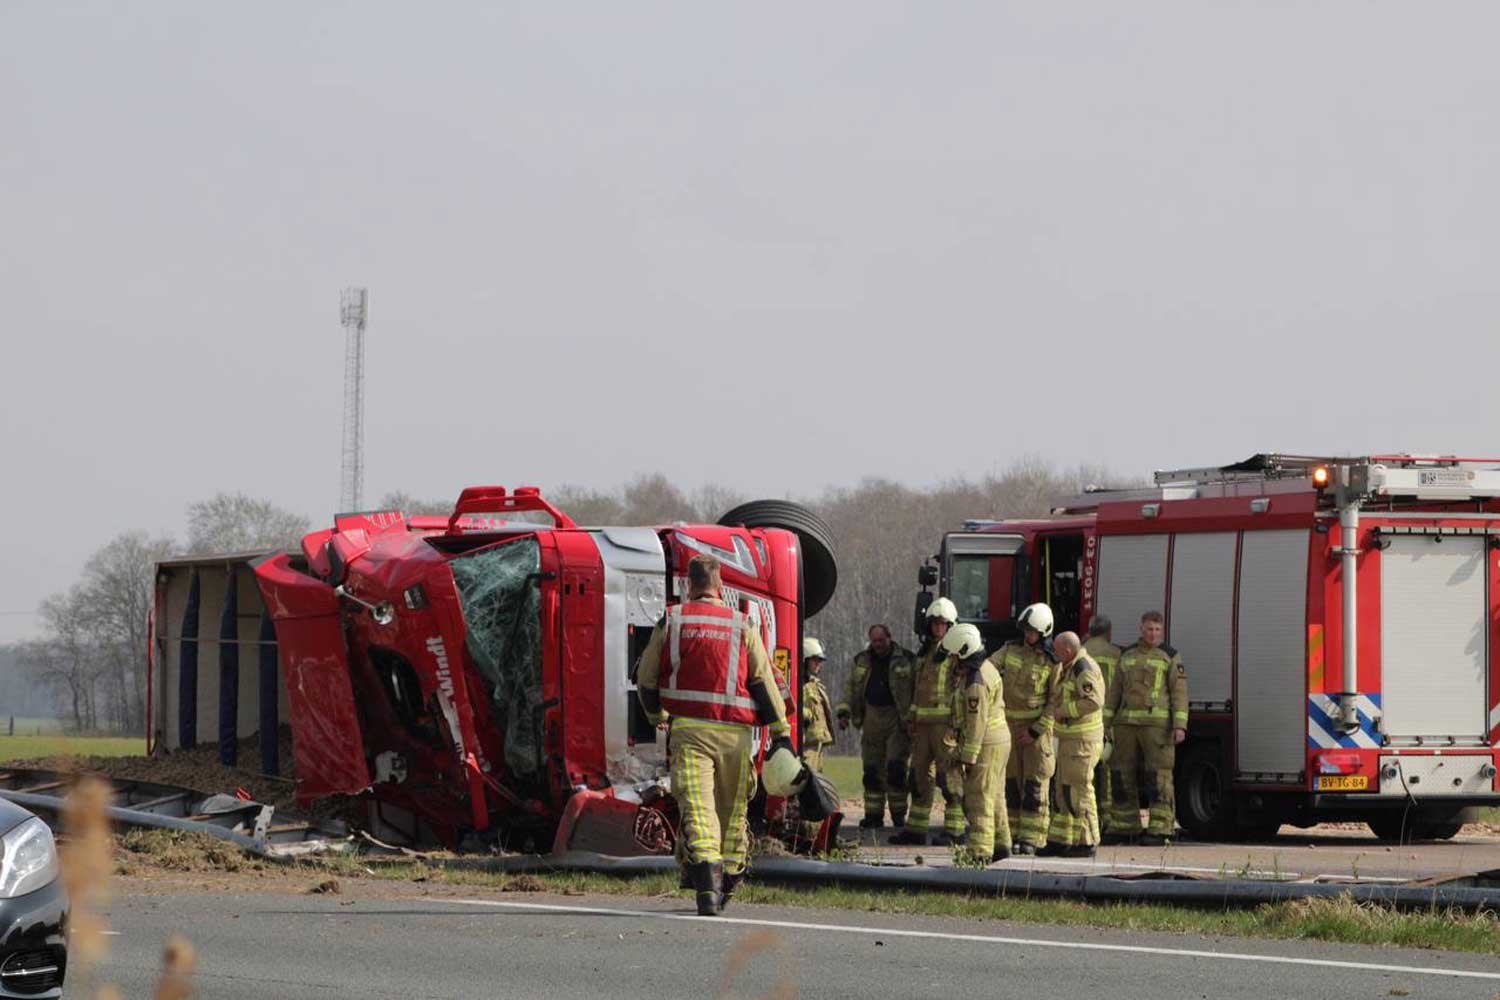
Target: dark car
{"type": "Point", "coordinates": [33, 908]}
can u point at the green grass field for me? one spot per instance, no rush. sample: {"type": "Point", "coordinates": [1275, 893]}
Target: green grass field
{"type": "Point", "coordinates": [56, 745]}
{"type": "Point", "coordinates": [844, 772]}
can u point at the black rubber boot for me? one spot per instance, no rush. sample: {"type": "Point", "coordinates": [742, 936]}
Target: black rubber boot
{"type": "Point", "coordinates": [898, 820]}
{"type": "Point", "coordinates": [1024, 850]}
{"type": "Point", "coordinates": [1052, 849]}
{"type": "Point", "coordinates": [1154, 840]}
{"type": "Point", "coordinates": [1001, 853]}
{"type": "Point", "coordinates": [731, 883]}
{"type": "Point", "coordinates": [1079, 851]}
{"type": "Point", "coordinates": [910, 838]}
{"type": "Point", "coordinates": [871, 822]}
{"type": "Point", "coordinates": [708, 884]}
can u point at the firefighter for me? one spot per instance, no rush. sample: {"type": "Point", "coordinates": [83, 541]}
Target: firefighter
{"type": "Point", "coordinates": [876, 700]}
{"type": "Point", "coordinates": [1101, 648]}
{"type": "Point", "coordinates": [817, 719]}
{"type": "Point", "coordinates": [706, 666]}
{"type": "Point", "coordinates": [981, 744]}
{"type": "Point", "coordinates": [1077, 711]}
{"type": "Point", "coordinates": [1148, 704]}
{"type": "Point", "coordinates": [1028, 668]}
{"type": "Point", "coordinates": [928, 722]}
{"type": "Point", "coordinates": [817, 707]}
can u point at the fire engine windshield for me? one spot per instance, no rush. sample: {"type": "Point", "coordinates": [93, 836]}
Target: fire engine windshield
{"type": "Point", "coordinates": [497, 588]}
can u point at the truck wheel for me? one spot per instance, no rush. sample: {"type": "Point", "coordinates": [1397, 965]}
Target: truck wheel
{"type": "Point", "coordinates": [1401, 826]}
{"type": "Point", "coordinates": [1205, 807]}
{"type": "Point", "coordinates": [1388, 827]}
{"type": "Point", "coordinates": [820, 571]}
{"type": "Point", "coordinates": [1438, 831]}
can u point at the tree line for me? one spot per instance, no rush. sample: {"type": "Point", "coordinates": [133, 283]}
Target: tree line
{"type": "Point", "coordinates": [90, 659]}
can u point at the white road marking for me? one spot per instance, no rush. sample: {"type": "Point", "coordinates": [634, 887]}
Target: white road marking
{"type": "Point", "coordinates": [1322, 963]}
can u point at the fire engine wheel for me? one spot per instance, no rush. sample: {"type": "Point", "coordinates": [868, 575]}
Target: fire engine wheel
{"type": "Point", "coordinates": [820, 571]}
{"type": "Point", "coordinates": [1403, 827]}
{"type": "Point", "coordinates": [1205, 807]}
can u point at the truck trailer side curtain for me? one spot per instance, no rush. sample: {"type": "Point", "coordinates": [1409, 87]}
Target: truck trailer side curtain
{"type": "Point", "coordinates": [270, 720]}
{"type": "Point", "coordinates": [229, 672]}
{"type": "Point", "coordinates": [187, 669]}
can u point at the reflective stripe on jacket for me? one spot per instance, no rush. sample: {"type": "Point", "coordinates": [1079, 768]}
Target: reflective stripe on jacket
{"type": "Point", "coordinates": [704, 664]}
{"type": "Point", "coordinates": [981, 709]}
{"type": "Point", "coordinates": [1029, 673]}
{"type": "Point", "coordinates": [1150, 688]}
{"type": "Point", "coordinates": [931, 699]}
{"type": "Point", "coordinates": [1079, 698]}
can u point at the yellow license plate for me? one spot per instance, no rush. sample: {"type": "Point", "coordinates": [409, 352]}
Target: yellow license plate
{"type": "Point", "coordinates": [1342, 782]}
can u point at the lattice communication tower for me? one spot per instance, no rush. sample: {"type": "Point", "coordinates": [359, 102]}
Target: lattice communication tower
{"type": "Point", "coordinates": [354, 309]}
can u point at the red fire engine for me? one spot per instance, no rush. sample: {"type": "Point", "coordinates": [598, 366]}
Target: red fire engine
{"type": "Point", "coordinates": [1337, 616]}
{"type": "Point", "coordinates": [472, 674]}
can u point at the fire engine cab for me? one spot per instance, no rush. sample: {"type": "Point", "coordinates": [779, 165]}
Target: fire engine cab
{"type": "Point", "coordinates": [1337, 617]}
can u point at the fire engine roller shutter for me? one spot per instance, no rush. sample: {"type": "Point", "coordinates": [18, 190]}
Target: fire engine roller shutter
{"type": "Point", "coordinates": [1271, 703]}
{"type": "Point", "coordinates": [1432, 637]}
{"type": "Point", "coordinates": [1132, 581]}
{"type": "Point", "coordinates": [1202, 616]}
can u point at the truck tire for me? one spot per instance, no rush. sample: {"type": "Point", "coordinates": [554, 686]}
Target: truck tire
{"type": "Point", "coordinates": [1439, 830]}
{"type": "Point", "coordinates": [1205, 804]}
{"type": "Point", "coordinates": [1403, 826]}
{"type": "Point", "coordinates": [820, 571]}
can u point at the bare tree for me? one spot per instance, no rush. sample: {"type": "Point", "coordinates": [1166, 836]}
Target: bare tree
{"type": "Point", "coordinates": [236, 522]}
{"type": "Point", "coordinates": [409, 504]}
{"type": "Point", "coordinates": [67, 660]}
{"type": "Point", "coordinates": [654, 499]}
{"type": "Point", "coordinates": [110, 605]}
{"type": "Point", "coordinates": [587, 506]}
{"type": "Point", "coordinates": [712, 501]}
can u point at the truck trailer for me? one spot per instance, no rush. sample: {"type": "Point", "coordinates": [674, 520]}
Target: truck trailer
{"type": "Point", "coordinates": [1337, 617]}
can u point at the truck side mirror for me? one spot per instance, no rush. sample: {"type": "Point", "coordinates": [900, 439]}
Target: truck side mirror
{"type": "Point", "coordinates": [919, 618]}
{"type": "Point", "coordinates": [927, 576]}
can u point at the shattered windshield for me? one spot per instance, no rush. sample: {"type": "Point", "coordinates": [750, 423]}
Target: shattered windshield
{"type": "Point", "coordinates": [502, 607]}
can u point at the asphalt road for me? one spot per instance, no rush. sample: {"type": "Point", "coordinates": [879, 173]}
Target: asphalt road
{"type": "Point", "coordinates": [276, 945]}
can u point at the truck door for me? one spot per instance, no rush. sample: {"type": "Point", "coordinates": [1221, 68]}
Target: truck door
{"type": "Point", "coordinates": [327, 745]}
{"type": "Point", "coordinates": [1062, 580]}
{"type": "Point", "coordinates": [1433, 639]}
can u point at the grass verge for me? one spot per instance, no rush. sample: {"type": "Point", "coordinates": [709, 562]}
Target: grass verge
{"type": "Point", "coordinates": [845, 773]}
{"type": "Point", "coordinates": [56, 745]}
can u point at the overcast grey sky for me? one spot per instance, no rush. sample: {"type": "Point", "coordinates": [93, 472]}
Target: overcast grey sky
{"type": "Point", "coordinates": [778, 246]}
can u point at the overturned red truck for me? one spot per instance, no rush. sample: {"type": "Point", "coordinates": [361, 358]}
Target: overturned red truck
{"type": "Point", "coordinates": [471, 676]}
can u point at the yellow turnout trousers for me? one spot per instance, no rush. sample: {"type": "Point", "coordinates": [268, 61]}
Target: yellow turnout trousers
{"type": "Point", "coordinates": [712, 781]}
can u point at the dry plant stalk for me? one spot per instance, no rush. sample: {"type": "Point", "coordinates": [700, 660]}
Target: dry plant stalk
{"type": "Point", "coordinates": [178, 963]}
{"type": "Point", "coordinates": [86, 859]}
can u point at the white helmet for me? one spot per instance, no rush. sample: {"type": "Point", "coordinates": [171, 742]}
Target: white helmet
{"type": "Point", "coordinates": [781, 772]}
{"type": "Point", "coordinates": [1037, 616]}
{"type": "Point", "coordinates": [963, 641]}
{"type": "Point", "coordinates": [813, 649]}
{"type": "Point", "coordinates": [942, 609]}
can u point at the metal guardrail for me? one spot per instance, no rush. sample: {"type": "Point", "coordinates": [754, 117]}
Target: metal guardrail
{"type": "Point", "coordinates": [248, 825]}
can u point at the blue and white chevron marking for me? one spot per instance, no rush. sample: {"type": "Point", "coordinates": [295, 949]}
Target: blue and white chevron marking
{"type": "Point", "coordinates": [1323, 723]}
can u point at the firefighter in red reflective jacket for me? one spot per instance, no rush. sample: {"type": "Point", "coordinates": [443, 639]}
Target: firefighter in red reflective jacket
{"type": "Point", "coordinates": [706, 668]}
